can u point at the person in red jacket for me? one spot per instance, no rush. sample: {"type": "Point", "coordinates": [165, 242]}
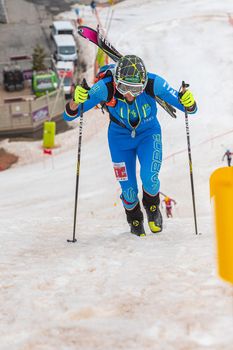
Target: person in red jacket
{"type": "Point", "coordinates": [168, 204]}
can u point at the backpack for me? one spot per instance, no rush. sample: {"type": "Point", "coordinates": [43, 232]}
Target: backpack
{"type": "Point", "coordinates": [107, 71]}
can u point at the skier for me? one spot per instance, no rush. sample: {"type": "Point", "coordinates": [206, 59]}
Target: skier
{"type": "Point", "coordinates": [168, 204]}
{"type": "Point", "coordinates": [134, 131]}
{"type": "Point", "coordinates": [228, 154]}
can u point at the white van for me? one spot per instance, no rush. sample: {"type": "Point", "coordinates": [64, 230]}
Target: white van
{"type": "Point", "coordinates": [61, 28]}
{"type": "Point", "coordinates": [65, 48]}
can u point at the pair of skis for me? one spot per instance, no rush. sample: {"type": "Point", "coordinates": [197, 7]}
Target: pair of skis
{"type": "Point", "coordinates": [96, 37]}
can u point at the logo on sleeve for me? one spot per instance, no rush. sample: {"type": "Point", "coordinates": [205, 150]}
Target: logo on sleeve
{"type": "Point", "coordinates": [170, 89]}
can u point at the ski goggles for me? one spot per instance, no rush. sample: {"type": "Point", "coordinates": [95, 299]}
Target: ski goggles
{"type": "Point", "coordinates": [133, 89]}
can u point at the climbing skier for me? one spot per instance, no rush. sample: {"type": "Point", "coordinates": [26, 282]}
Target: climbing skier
{"type": "Point", "coordinates": [129, 91]}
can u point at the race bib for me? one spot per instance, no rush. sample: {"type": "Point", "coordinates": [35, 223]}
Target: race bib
{"type": "Point", "coordinates": [120, 171]}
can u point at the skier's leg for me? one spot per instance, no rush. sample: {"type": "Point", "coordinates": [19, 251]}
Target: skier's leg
{"type": "Point", "coordinates": [154, 216]}
{"type": "Point", "coordinates": [124, 164]}
{"type": "Point", "coordinates": [150, 157]}
{"type": "Point", "coordinates": [135, 220]}
{"type": "Point", "coordinates": [125, 170]}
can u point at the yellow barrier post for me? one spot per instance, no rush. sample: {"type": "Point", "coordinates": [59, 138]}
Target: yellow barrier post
{"type": "Point", "coordinates": [49, 134]}
{"type": "Point", "coordinates": [221, 191]}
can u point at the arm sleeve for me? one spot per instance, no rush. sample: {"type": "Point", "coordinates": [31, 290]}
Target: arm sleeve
{"type": "Point", "coordinates": [163, 90]}
{"type": "Point", "coordinates": [97, 94]}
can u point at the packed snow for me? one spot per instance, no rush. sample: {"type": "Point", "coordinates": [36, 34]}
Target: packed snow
{"type": "Point", "coordinates": [111, 290]}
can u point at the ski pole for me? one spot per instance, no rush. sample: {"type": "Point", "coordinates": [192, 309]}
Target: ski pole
{"type": "Point", "coordinates": [109, 23]}
{"type": "Point", "coordinates": [73, 240]}
{"type": "Point", "coordinates": [182, 90]}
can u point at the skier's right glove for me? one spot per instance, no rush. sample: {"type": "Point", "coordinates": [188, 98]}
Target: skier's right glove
{"type": "Point", "coordinates": [80, 94]}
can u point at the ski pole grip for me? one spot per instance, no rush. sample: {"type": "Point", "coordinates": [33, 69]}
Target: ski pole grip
{"type": "Point", "coordinates": [183, 88]}
{"type": "Point", "coordinates": [85, 85]}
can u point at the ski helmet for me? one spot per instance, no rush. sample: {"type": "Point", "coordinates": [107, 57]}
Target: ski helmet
{"type": "Point", "coordinates": [130, 75]}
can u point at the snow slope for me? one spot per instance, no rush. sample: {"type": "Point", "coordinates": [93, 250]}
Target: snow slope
{"type": "Point", "coordinates": [112, 290]}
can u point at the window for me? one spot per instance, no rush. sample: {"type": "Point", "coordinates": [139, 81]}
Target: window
{"type": "Point", "coordinates": [67, 50]}
{"type": "Point", "coordinates": [65, 31]}
{"type": "Point", "coordinates": [44, 83]}
{"type": "Point", "coordinates": [67, 81]}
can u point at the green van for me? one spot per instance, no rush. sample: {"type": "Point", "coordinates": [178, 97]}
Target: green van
{"type": "Point", "coordinates": [43, 82]}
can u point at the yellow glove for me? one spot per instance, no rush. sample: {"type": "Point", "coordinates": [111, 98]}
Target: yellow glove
{"type": "Point", "coordinates": [187, 99]}
{"type": "Point", "coordinates": [80, 94]}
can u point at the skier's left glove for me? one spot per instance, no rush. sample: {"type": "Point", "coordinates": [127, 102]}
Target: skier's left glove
{"type": "Point", "coordinates": [187, 100]}
{"type": "Point", "coordinates": [80, 94]}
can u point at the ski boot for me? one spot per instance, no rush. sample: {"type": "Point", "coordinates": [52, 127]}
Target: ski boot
{"type": "Point", "coordinates": [154, 216]}
{"type": "Point", "coordinates": [135, 220]}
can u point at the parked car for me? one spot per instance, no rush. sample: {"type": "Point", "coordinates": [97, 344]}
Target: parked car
{"type": "Point", "coordinates": [44, 81]}
{"type": "Point", "coordinates": [65, 71]}
{"type": "Point", "coordinates": [65, 48]}
{"type": "Point", "coordinates": [61, 28]}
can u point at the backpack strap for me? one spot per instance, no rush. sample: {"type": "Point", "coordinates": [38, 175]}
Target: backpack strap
{"type": "Point", "coordinates": [150, 87]}
{"type": "Point", "coordinates": [111, 101]}
{"type": "Point", "coordinates": [115, 120]}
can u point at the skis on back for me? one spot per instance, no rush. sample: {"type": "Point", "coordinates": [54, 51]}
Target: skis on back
{"type": "Point", "coordinates": [168, 108]}
{"type": "Point", "coordinates": [96, 37]}
{"type": "Point", "coordinates": [106, 46]}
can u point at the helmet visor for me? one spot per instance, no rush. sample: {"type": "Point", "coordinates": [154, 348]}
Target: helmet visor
{"type": "Point", "coordinates": [133, 89]}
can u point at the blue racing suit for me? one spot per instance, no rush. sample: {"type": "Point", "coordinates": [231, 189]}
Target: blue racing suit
{"type": "Point", "coordinates": [134, 132]}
